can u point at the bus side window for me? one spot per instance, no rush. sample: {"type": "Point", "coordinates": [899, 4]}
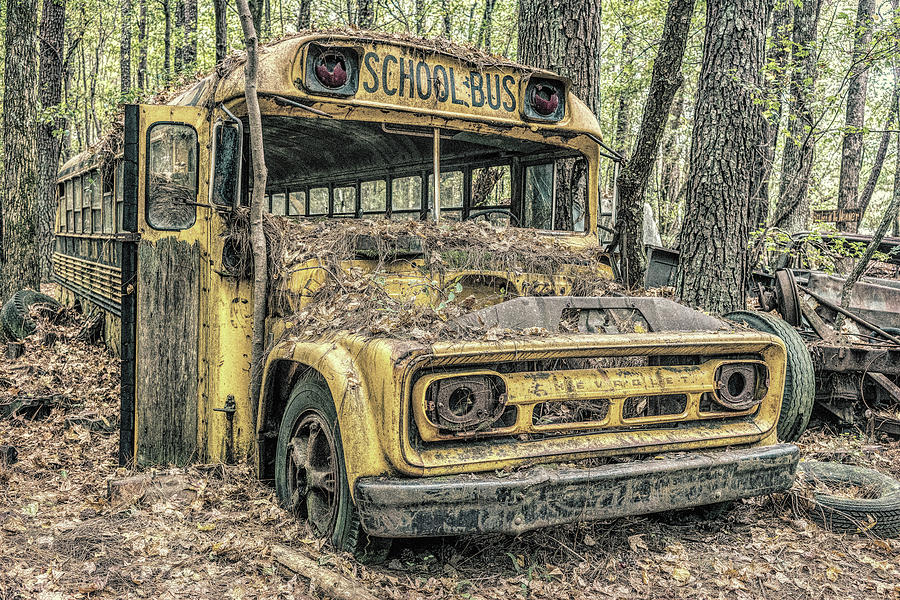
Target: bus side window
{"type": "Point", "coordinates": [297, 204]}
{"type": "Point", "coordinates": [70, 207]}
{"type": "Point", "coordinates": [172, 176]}
{"type": "Point", "coordinates": [86, 202]}
{"type": "Point", "coordinates": [538, 196]}
{"type": "Point", "coordinates": [278, 207]}
{"type": "Point", "coordinates": [61, 202]}
{"type": "Point", "coordinates": [227, 173]}
{"type": "Point", "coordinates": [76, 183]}
{"type": "Point", "coordinates": [373, 197]}
{"type": "Point", "coordinates": [108, 204]}
{"type": "Point", "coordinates": [96, 202]}
{"type": "Point", "coordinates": [120, 196]}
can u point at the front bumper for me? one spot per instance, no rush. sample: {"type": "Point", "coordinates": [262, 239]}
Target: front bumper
{"type": "Point", "coordinates": [550, 495]}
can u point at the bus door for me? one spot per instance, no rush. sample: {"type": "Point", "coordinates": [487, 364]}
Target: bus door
{"type": "Point", "coordinates": [167, 172]}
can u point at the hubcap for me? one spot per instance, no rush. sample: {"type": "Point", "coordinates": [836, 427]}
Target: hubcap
{"type": "Point", "coordinates": [312, 473]}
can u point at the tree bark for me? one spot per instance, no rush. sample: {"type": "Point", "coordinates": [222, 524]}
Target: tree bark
{"type": "Point", "coordinates": [670, 184]}
{"type": "Point", "coordinates": [564, 37]}
{"type": "Point", "coordinates": [851, 148]}
{"type": "Point", "coordinates": [792, 210]}
{"type": "Point", "coordinates": [420, 16]}
{"type": "Point", "coordinates": [728, 132]}
{"type": "Point", "coordinates": [20, 253]}
{"type": "Point", "coordinates": [51, 124]}
{"type": "Point", "coordinates": [256, 9]}
{"type": "Point", "coordinates": [664, 83]}
{"type": "Point", "coordinates": [125, 49]}
{"type": "Point", "coordinates": [890, 216]}
{"type": "Point", "coordinates": [167, 39]}
{"type": "Point", "coordinates": [777, 57]}
{"type": "Point", "coordinates": [445, 14]}
{"type": "Point", "coordinates": [303, 21]}
{"type": "Point", "coordinates": [486, 30]}
{"type": "Point", "coordinates": [623, 104]}
{"type": "Point", "coordinates": [142, 45]}
{"type": "Point", "coordinates": [189, 54]}
{"type": "Point", "coordinates": [179, 37]}
{"type": "Point", "coordinates": [257, 235]}
{"type": "Point", "coordinates": [365, 14]}
{"type": "Point", "coordinates": [221, 30]}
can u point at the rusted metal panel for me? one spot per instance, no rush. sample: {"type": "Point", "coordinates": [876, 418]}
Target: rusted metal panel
{"type": "Point", "coordinates": [549, 495]}
{"type": "Point", "coordinates": [876, 300]}
{"type": "Point", "coordinates": [856, 358]}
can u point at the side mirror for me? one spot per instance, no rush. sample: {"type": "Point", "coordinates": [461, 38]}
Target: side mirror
{"type": "Point", "coordinates": [227, 151]}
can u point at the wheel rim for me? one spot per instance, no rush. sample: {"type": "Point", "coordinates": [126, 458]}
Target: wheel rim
{"type": "Point", "coordinates": [312, 473]}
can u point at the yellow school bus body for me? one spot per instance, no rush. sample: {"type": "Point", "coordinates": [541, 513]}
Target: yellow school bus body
{"type": "Point", "coordinates": [373, 380]}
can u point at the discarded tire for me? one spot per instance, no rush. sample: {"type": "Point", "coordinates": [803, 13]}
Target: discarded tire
{"type": "Point", "coordinates": [799, 379]}
{"type": "Point", "coordinates": [14, 314]}
{"type": "Point", "coordinates": [879, 515]}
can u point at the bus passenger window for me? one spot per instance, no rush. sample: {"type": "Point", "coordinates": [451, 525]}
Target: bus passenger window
{"type": "Point", "coordinates": [226, 175]}
{"type": "Point", "coordinates": [538, 196]}
{"type": "Point", "coordinates": [70, 207]}
{"type": "Point", "coordinates": [86, 203]}
{"type": "Point", "coordinates": [278, 207]}
{"type": "Point", "coordinates": [318, 202]}
{"type": "Point", "coordinates": [406, 197]}
{"type": "Point", "coordinates": [120, 197]}
{"type": "Point", "coordinates": [76, 183]}
{"type": "Point", "coordinates": [61, 203]}
{"type": "Point", "coordinates": [373, 196]}
{"type": "Point", "coordinates": [172, 176]}
{"type": "Point", "coordinates": [108, 204]}
{"type": "Point", "coordinates": [297, 204]}
{"type": "Point", "coordinates": [451, 194]}
{"type": "Point", "coordinates": [345, 201]}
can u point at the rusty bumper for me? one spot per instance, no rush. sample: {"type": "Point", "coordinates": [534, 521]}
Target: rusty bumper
{"type": "Point", "coordinates": [550, 495]}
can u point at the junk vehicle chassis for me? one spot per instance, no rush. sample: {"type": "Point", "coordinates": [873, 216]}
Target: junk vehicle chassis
{"type": "Point", "coordinates": [436, 362]}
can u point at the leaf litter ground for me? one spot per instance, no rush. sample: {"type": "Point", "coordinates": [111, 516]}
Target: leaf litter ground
{"type": "Point", "coordinates": [61, 537]}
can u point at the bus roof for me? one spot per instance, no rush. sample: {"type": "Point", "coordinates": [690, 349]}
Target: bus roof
{"type": "Point", "coordinates": [427, 77]}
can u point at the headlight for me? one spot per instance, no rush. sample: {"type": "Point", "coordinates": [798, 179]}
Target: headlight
{"type": "Point", "coordinates": [737, 385]}
{"type": "Point", "coordinates": [465, 403]}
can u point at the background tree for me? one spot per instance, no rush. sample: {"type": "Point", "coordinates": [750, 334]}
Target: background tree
{"type": "Point", "coordinates": [728, 129]}
{"type": "Point", "coordinates": [851, 152]}
{"type": "Point", "coordinates": [20, 258]}
{"type": "Point", "coordinates": [632, 182]}
{"type": "Point", "coordinates": [125, 49]}
{"type": "Point", "coordinates": [51, 124]}
{"type": "Point", "coordinates": [221, 30]}
{"type": "Point", "coordinates": [799, 146]}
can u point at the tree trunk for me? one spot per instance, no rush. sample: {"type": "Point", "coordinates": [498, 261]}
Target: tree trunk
{"type": "Point", "coordinates": [189, 53]}
{"type": "Point", "coordinates": [20, 253]}
{"type": "Point", "coordinates": [664, 83]}
{"type": "Point", "coordinates": [50, 127]}
{"type": "Point", "coordinates": [728, 131]}
{"type": "Point", "coordinates": [670, 183]}
{"type": "Point", "coordinates": [256, 9]}
{"type": "Point", "coordinates": [487, 25]}
{"type": "Point", "coordinates": [125, 49]}
{"type": "Point", "coordinates": [179, 37]}
{"type": "Point", "coordinates": [257, 236]}
{"type": "Point", "coordinates": [890, 217]}
{"type": "Point", "coordinates": [221, 30]}
{"type": "Point", "coordinates": [564, 37]}
{"type": "Point", "coordinates": [792, 211]}
{"type": "Point", "coordinates": [303, 21]}
{"type": "Point", "coordinates": [445, 14]}
{"type": "Point", "coordinates": [623, 104]}
{"type": "Point", "coordinates": [851, 148]}
{"type": "Point", "coordinates": [167, 39]}
{"type": "Point", "coordinates": [777, 56]}
{"type": "Point", "coordinates": [420, 16]}
{"type": "Point", "coordinates": [365, 14]}
{"type": "Point", "coordinates": [142, 45]}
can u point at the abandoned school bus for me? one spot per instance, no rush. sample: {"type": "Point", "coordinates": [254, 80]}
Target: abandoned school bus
{"type": "Point", "coordinates": [574, 408]}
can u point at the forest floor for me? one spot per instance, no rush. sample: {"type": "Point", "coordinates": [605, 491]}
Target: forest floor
{"type": "Point", "coordinates": [62, 537]}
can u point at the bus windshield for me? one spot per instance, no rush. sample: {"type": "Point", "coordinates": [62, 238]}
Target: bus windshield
{"type": "Point", "coordinates": [341, 169]}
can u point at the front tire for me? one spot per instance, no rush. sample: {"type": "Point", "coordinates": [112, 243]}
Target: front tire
{"type": "Point", "coordinates": [799, 378]}
{"type": "Point", "coordinates": [310, 475]}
